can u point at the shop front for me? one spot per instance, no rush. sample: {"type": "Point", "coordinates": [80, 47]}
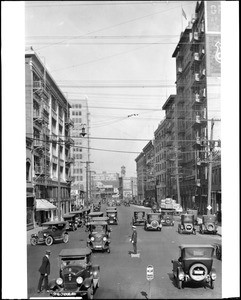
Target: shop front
{"type": "Point", "coordinates": [45, 211]}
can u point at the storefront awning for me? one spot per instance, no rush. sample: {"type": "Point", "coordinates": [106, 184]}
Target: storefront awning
{"type": "Point", "coordinates": [42, 204]}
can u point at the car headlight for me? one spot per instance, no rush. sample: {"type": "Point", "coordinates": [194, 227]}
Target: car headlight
{"type": "Point", "coordinates": [181, 276]}
{"type": "Point", "coordinates": [213, 276]}
{"type": "Point", "coordinates": [79, 280]}
{"type": "Point", "coordinates": [44, 234]}
{"type": "Point", "coordinates": [59, 281]}
{"type": "Point", "coordinates": [104, 239]}
{"type": "Point", "coordinates": [92, 239]}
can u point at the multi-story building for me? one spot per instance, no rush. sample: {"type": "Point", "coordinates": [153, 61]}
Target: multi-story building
{"type": "Point", "coordinates": [80, 133]}
{"type": "Point", "coordinates": [48, 144]}
{"type": "Point", "coordinates": [160, 160]}
{"type": "Point", "coordinates": [198, 61]}
{"type": "Point", "coordinates": [149, 153]}
{"type": "Point", "coordinates": [105, 184]}
{"type": "Point", "coordinates": [141, 176]}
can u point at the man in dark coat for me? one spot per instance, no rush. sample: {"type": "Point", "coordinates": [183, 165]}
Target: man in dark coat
{"type": "Point", "coordinates": [134, 239]}
{"type": "Point", "coordinates": [44, 272]}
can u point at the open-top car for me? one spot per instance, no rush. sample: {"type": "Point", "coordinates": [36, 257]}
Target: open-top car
{"type": "Point", "coordinates": [52, 231]}
{"type": "Point", "coordinates": [167, 217]}
{"type": "Point", "coordinates": [193, 212]}
{"type": "Point", "coordinates": [209, 224]}
{"type": "Point", "coordinates": [99, 236]}
{"type": "Point", "coordinates": [79, 217]}
{"type": "Point", "coordinates": [153, 221]}
{"type": "Point", "coordinates": [92, 215]}
{"type": "Point", "coordinates": [194, 264]}
{"type": "Point", "coordinates": [97, 206]}
{"type": "Point", "coordinates": [112, 216]}
{"type": "Point", "coordinates": [77, 276]}
{"type": "Point", "coordinates": [139, 218]}
{"type": "Point", "coordinates": [71, 219]}
{"type": "Point", "coordinates": [187, 224]}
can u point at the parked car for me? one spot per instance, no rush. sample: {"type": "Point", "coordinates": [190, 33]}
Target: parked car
{"type": "Point", "coordinates": [187, 224]}
{"type": "Point", "coordinates": [209, 224]}
{"type": "Point", "coordinates": [167, 217]}
{"type": "Point", "coordinates": [112, 216]}
{"type": "Point", "coordinates": [80, 217]}
{"type": "Point", "coordinates": [193, 212]}
{"type": "Point", "coordinates": [147, 203]}
{"type": "Point", "coordinates": [96, 207]}
{"type": "Point", "coordinates": [194, 264]}
{"type": "Point", "coordinates": [139, 218]}
{"type": "Point", "coordinates": [99, 236]}
{"type": "Point", "coordinates": [153, 221]}
{"type": "Point", "coordinates": [78, 278]}
{"type": "Point", "coordinates": [52, 231]}
{"type": "Point", "coordinates": [71, 219]}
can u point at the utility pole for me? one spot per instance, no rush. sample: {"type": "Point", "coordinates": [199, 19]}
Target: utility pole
{"type": "Point", "coordinates": [87, 181]}
{"type": "Point", "coordinates": [210, 170]}
{"type": "Point", "coordinates": [177, 177]}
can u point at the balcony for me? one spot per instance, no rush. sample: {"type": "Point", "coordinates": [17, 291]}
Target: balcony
{"type": "Point", "coordinates": [46, 108]}
{"type": "Point", "coordinates": [181, 114]}
{"type": "Point", "coordinates": [38, 170]}
{"type": "Point", "coordinates": [69, 178]}
{"type": "Point", "coordinates": [54, 159]}
{"type": "Point", "coordinates": [203, 93]}
{"type": "Point", "coordinates": [196, 100]}
{"type": "Point", "coordinates": [69, 160]}
{"type": "Point", "coordinates": [179, 70]}
{"type": "Point", "coordinates": [199, 121]}
{"type": "Point", "coordinates": [38, 143]}
{"type": "Point", "coordinates": [69, 122]}
{"type": "Point", "coordinates": [195, 60]}
{"type": "Point", "coordinates": [203, 73]}
{"type": "Point", "coordinates": [54, 114]}
{"type": "Point", "coordinates": [61, 122]}
{"type": "Point", "coordinates": [38, 84]}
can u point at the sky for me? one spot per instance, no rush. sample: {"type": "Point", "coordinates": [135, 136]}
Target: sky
{"type": "Point", "coordinates": [111, 44]}
{"type": "Point", "coordinates": [144, 66]}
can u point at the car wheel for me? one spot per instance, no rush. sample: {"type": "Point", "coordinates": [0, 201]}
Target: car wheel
{"type": "Point", "coordinates": [66, 238]}
{"type": "Point", "coordinates": [90, 293]}
{"type": "Point", "coordinates": [49, 240]}
{"type": "Point", "coordinates": [212, 284]}
{"type": "Point", "coordinates": [33, 241]}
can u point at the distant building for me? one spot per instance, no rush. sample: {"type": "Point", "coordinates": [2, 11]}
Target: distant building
{"type": "Point", "coordinates": [81, 150]}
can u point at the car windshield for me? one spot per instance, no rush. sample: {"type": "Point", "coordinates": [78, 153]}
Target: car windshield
{"type": "Point", "coordinates": [209, 218]}
{"type": "Point", "coordinates": [97, 228]}
{"type": "Point", "coordinates": [187, 218]}
{"type": "Point", "coordinates": [198, 252]}
{"type": "Point", "coordinates": [81, 261]}
{"type": "Point", "coordinates": [153, 217]}
{"type": "Point", "coordinates": [139, 215]}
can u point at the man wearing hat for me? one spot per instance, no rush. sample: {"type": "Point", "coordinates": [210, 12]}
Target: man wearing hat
{"type": "Point", "coordinates": [134, 239]}
{"type": "Point", "coordinates": [44, 272]}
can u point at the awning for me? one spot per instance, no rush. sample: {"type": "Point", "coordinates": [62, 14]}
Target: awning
{"type": "Point", "coordinates": [42, 204]}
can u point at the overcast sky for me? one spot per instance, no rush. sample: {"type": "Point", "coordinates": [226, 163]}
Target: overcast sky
{"type": "Point", "coordinates": [71, 38]}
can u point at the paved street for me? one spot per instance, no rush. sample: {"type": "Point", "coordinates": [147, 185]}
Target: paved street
{"type": "Point", "coordinates": [124, 277]}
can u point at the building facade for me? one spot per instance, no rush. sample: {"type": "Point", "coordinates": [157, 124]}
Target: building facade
{"type": "Point", "coordinates": [80, 132]}
{"type": "Point", "coordinates": [141, 176]}
{"type": "Point", "coordinates": [198, 101]}
{"type": "Point", "coordinates": [150, 183]}
{"type": "Point", "coordinates": [48, 144]}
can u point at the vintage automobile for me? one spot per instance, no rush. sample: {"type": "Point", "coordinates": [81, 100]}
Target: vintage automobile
{"type": "Point", "coordinates": [92, 215]}
{"type": "Point", "coordinates": [155, 207]}
{"type": "Point", "coordinates": [187, 224]}
{"type": "Point", "coordinates": [193, 212]}
{"type": "Point", "coordinates": [118, 202]}
{"type": "Point", "coordinates": [80, 217]}
{"type": "Point", "coordinates": [168, 217]}
{"type": "Point", "coordinates": [209, 224]}
{"type": "Point", "coordinates": [52, 231]}
{"type": "Point", "coordinates": [112, 216]}
{"type": "Point", "coordinates": [99, 236]}
{"type": "Point", "coordinates": [194, 264]}
{"type": "Point", "coordinates": [147, 203]}
{"type": "Point", "coordinates": [97, 206]}
{"type": "Point", "coordinates": [153, 221]}
{"type": "Point", "coordinates": [71, 219]}
{"type": "Point", "coordinates": [139, 218]}
{"type": "Point", "coordinates": [78, 278]}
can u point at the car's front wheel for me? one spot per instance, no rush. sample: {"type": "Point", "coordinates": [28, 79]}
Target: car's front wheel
{"type": "Point", "coordinates": [49, 240]}
{"type": "Point", "coordinates": [90, 293]}
{"type": "Point", "coordinates": [33, 241]}
{"type": "Point", "coordinates": [179, 283]}
{"type": "Point", "coordinates": [66, 238]}
{"type": "Point", "coordinates": [212, 284]}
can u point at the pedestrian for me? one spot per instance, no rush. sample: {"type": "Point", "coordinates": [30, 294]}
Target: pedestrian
{"type": "Point", "coordinates": [44, 272]}
{"type": "Point", "coordinates": [133, 239]}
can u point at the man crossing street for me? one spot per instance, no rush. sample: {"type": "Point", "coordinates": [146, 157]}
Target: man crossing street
{"type": "Point", "coordinates": [44, 272]}
{"type": "Point", "coordinates": [133, 239]}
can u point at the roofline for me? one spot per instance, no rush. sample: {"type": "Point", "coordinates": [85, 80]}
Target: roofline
{"type": "Point", "coordinates": [169, 101]}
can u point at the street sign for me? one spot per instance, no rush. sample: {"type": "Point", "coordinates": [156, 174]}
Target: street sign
{"type": "Point", "coordinates": [149, 272]}
{"type": "Point", "coordinates": [209, 207]}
